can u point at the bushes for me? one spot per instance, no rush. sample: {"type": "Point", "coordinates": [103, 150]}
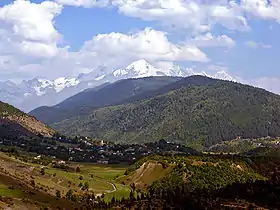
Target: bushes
{"type": "Point", "coordinates": [200, 172]}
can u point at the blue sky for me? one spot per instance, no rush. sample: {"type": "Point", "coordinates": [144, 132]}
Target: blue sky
{"type": "Point", "coordinates": [79, 35]}
{"type": "Point", "coordinates": [242, 59]}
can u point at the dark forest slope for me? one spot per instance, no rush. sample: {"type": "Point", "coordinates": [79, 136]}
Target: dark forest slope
{"type": "Point", "coordinates": [194, 115]}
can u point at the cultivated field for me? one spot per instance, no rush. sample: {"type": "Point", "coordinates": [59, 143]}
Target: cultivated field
{"type": "Point", "coordinates": [25, 182]}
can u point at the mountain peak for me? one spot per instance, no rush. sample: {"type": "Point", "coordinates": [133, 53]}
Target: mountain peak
{"type": "Point", "coordinates": [139, 64]}
{"type": "Point", "coordinates": [62, 82]}
{"type": "Point", "coordinates": [137, 69]}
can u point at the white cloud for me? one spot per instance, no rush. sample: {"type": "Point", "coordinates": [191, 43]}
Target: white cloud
{"type": "Point", "coordinates": [196, 15]}
{"type": "Point", "coordinates": [29, 41]}
{"type": "Point", "coordinates": [30, 20]}
{"type": "Point", "coordinates": [201, 15]}
{"type": "Point", "coordinates": [185, 14]}
{"type": "Point", "coordinates": [27, 29]}
{"type": "Point", "coordinates": [112, 50]}
{"type": "Point", "coordinates": [255, 45]}
{"type": "Point", "coordinates": [84, 3]}
{"type": "Point", "coordinates": [262, 8]}
{"type": "Point", "coordinates": [208, 40]}
{"type": "Point", "coordinates": [149, 44]}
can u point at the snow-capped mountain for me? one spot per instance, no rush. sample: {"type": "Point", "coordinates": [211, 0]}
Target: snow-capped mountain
{"type": "Point", "coordinates": [220, 75]}
{"type": "Point", "coordinates": [36, 92]}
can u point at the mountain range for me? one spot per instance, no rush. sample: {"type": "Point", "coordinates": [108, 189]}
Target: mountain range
{"type": "Point", "coordinates": [30, 94]}
{"type": "Point", "coordinates": [107, 94]}
{"type": "Point", "coordinates": [197, 111]}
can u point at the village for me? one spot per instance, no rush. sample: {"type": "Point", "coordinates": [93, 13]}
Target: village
{"type": "Point", "coordinates": [86, 149]}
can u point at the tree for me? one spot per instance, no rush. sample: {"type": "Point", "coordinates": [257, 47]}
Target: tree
{"type": "Point", "coordinates": [133, 186]}
{"type": "Point", "coordinates": [131, 196]}
{"type": "Point", "coordinates": [32, 183]}
{"type": "Point", "coordinates": [43, 171]}
{"type": "Point", "coordinates": [86, 185]}
{"type": "Point", "coordinates": [113, 201]}
{"type": "Point", "coordinates": [58, 194]}
{"type": "Point", "coordinates": [69, 194]}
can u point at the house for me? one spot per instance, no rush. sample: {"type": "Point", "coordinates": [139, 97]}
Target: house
{"type": "Point", "coordinates": [101, 143]}
{"type": "Point", "coordinates": [37, 157]}
{"type": "Point", "coordinates": [102, 161]}
{"type": "Point", "coordinates": [61, 162]}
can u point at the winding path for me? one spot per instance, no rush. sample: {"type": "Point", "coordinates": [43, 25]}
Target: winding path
{"type": "Point", "coordinates": [108, 191]}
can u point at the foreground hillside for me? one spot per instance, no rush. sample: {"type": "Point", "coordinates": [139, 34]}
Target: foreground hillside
{"type": "Point", "coordinates": [165, 173]}
{"type": "Point", "coordinates": [38, 182]}
{"type": "Point", "coordinates": [204, 182]}
{"type": "Point", "coordinates": [108, 94]}
{"type": "Point", "coordinates": [199, 116]}
{"type": "Point", "coordinates": [194, 181]}
{"type": "Point", "coordinates": [14, 123]}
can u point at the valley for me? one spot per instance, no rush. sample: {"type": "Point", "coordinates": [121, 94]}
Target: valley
{"type": "Point", "coordinates": [139, 105]}
{"type": "Point", "coordinates": [161, 142]}
{"type": "Point", "coordinates": [33, 182]}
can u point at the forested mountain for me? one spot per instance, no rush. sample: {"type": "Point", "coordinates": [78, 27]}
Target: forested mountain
{"type": "Point", "coordinates": [15, 123]}
{"type": "Point", "coordinates": [109, 94]}
{"type": "Point", "coordinates": [196, 115]}
{"type": "Point", "coordinates": [184, 82]}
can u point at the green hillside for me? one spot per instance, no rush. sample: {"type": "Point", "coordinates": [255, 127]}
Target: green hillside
{"type": "Point", "coordinates": [204, 182]}
{"type": "Point", "coordinates": [194, 172]}
{"type": "Point", "coordinates": [15, 123]}
{"type": "Point", "coordinates": [198, 116]}
{"type": "Point", "coordinates": [7, 109]}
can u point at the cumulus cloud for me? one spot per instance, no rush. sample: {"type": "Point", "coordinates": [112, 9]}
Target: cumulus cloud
{"type": "Point", "coordinates": [266, 9]}
{"type": "Point", "coordinates": [148, 44]}
{"type": "Point", "coordinates": [208, 40]}
{"type": "Point", "coordinates": [196, 15]}
{"type": "Point", "coordinates": [255, 45]}
{"type": "Point", "coordinates": [191, 15]}
{"type": "Point", "coordinates": [27, 28]}
{"type": "Point", "coordinates": [30, 20]}
{"type": "Point", "coordinates": [29, 40]}
{"type": "Point", "coordinates": [111, 50]}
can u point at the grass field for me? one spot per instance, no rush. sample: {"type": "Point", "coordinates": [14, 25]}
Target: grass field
{"type": "Point", "coordinates": [122, 191]}
{"type": "Point", "coordinates": [100, 178]}
{"type": "Point", "coordinates": [6, 189]}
